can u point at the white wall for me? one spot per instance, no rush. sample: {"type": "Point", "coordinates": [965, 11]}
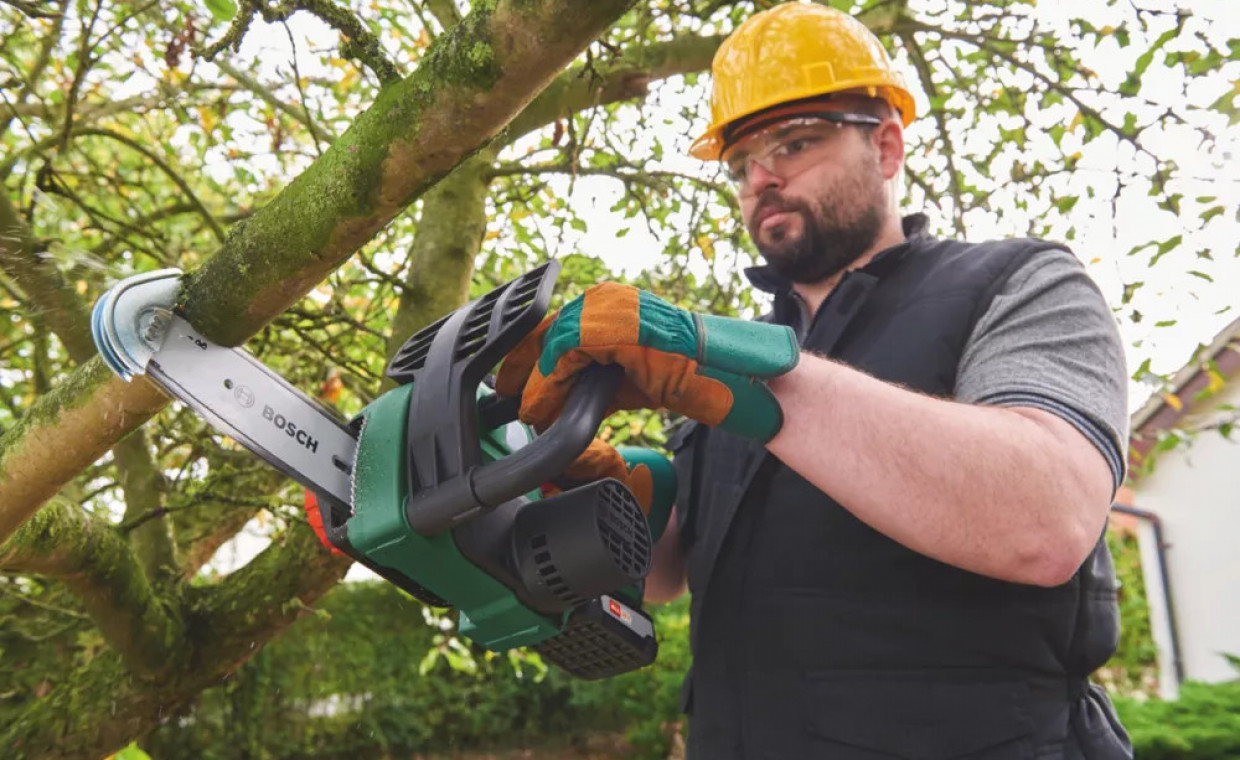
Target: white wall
{"type": "Point", "coordinates": [1195, 492]}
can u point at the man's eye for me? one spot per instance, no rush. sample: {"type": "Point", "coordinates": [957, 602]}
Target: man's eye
{"type": "Point", "coordinates": [795, 146]}
{"type": "Point", "coordinates": [737, 171]}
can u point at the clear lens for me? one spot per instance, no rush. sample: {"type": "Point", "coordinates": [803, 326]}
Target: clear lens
{"type": "Point", "coordinates": [789, 146]}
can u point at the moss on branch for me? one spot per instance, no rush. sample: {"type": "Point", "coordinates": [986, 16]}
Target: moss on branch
{"type": "Point", "coordinates": [89, 556]}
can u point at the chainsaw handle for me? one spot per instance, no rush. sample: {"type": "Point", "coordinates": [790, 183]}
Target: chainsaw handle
{"type": "Point", "coordinates": [527, 468]}
{"type": "Point", "coordinates": [548, 455]}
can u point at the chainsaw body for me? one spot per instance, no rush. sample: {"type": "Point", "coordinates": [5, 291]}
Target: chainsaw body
{"type": "Point", "coordinates": [443, 483]}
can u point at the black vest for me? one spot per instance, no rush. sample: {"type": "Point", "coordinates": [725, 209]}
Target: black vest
{"type": "Point", "coordinates": [814, 635]}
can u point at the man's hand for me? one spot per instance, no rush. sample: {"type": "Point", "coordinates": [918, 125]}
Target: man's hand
{"type": "Point", "coordinates": [711, 369]}
{"type": "Point", "coordinates": [602, 460]}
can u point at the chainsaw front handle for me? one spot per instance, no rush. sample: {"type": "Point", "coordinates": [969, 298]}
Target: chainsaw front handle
{"type": "Point", "coordinates": [485, 487]}
{"type": "Point", "coordinates": [550, 454]}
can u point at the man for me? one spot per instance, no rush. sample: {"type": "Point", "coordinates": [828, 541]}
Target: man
{"type": "Point", "coordinates": [891, 504]}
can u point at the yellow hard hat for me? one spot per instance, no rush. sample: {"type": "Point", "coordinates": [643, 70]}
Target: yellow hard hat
{"type": "Point", "coordinates": [795, 51]}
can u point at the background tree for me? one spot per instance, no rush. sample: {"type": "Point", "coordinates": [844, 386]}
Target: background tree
{"type": "Point", "coordinates": [335, 175]}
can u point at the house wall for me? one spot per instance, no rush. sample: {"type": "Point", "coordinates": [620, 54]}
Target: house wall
{"type": "Point", "coordinates": [1195, 492]}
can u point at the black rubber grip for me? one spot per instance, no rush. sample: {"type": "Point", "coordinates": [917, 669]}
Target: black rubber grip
{"type": "Point", "coordinates": [542, 460]}
{"type": "Point", "coordinates": [548, 455]}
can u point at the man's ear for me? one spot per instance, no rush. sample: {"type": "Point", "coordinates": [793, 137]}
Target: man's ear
{"type": "Point", "coordinates": [889, 139]}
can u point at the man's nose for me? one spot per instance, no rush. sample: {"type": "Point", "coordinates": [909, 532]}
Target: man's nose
{"type": "Point", "coordinates": [762, 178]}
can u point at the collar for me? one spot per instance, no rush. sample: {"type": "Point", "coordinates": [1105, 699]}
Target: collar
{"type": "Point", "coordinates": [766, 279]}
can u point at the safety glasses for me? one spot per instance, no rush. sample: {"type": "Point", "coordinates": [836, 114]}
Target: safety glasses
{"type": "Point", "coordinates": [788, 147]}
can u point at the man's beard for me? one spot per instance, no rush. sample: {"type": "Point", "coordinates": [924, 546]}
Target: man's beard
{"type": "Point", "coordinates": [833, 235]}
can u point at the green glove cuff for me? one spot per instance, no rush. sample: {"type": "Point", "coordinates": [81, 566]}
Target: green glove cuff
{"type": "Point", "coordinates": [663, 476]}
{"type": "Point", "coordinates": [758, 349]}
{"type": "Point", "coordinates": [742, 355]}
{"type": "Point", "coordinates": [755, 411]}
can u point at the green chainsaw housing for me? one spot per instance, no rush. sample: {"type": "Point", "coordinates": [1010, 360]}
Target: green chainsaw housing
{"type": "Point", "coordinates": [447, 501]}
{"type": "Point", "coordinates": [379, 530]}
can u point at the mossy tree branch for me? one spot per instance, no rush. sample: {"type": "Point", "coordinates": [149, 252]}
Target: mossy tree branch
{"type": "Point", "coordinates": [152, 539]}
{"type": "Point", "coordinates": [100, 707]}
{"type": "Point", "coordinates": [90, 556]}
{"type": "Point", "coordinates": [445, 12]}
{"type": "Point", "coordinates": [64, 432]}
{"type": "Point", "coordinates": [228, 625]}
{"type": "Point", "coordinates": [57, 306]}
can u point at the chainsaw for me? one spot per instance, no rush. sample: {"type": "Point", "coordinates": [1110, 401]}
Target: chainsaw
{"type": "Point", "coordinates": [435, 486]}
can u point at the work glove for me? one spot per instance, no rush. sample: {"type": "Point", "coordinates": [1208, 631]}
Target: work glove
{"type": "Point", "coordinates": [648, 474]}
{"type": "Point", "coordinates": [710, 369]}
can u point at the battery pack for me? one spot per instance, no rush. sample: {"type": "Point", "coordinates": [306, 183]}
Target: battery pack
{"type": "Point", "coordinates": [602, 638]}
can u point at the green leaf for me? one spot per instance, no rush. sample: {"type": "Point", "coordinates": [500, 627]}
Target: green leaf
{"type": "Point", "coordinates": [1168, 442]}
{"type": "Point", "coordinates": [1165, 247]}
{"type": "Point", "coordinates": [1166, 323]}
{"type": "Point", "coordinates": [1171, 203]}
{"type": "Point", "coordinates": [1056, 132]}
{"type": "Point", "coordinates": [223, 10]}
{"type": "Point", "coordinates": [1065, 204]}
{"type": "Point", "coordinates": [1202, 275]}
{"type": "Point", "coordinates": [132, 752]}
{"type": "Point", "coordinates": [577, 224]}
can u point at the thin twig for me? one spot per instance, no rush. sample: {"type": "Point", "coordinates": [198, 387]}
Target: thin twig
{"type": "Point", "coordinates": [301, 92]}
{"type": "Point", "coordinates": [33, 9]}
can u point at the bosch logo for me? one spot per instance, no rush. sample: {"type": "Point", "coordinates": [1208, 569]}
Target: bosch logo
{"type": "Point", "coordinates": [244, 396]}
{"type": "Point", "coordinates": [290, 428]}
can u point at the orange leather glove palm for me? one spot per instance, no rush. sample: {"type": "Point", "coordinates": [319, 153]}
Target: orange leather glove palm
{"type": "Point", "coordinates": [711, 369]}
{"type": "Point", "coordinates": [602, 460]}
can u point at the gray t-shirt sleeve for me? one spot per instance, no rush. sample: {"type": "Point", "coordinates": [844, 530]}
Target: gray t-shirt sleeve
{"type": "Point", "coordinates": [1049, 341]}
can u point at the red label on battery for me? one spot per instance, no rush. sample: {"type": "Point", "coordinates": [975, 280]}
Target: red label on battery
{"type": "Point", "coordinates": [617, 610]}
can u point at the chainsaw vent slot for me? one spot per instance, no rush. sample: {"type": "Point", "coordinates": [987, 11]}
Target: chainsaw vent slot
{"type": "Point", "coordinates": [550, 575]}
{"type": "Point", "coordinates": [523, 294]}
{"type": "Point", "coordinates": [474, 338]}
{"type": "Point", "coordinates": [412, 355]}
{"type": "Point", "coordinates": [474, 334]}
{"type": "Point", "coordinates": [622, 528]}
